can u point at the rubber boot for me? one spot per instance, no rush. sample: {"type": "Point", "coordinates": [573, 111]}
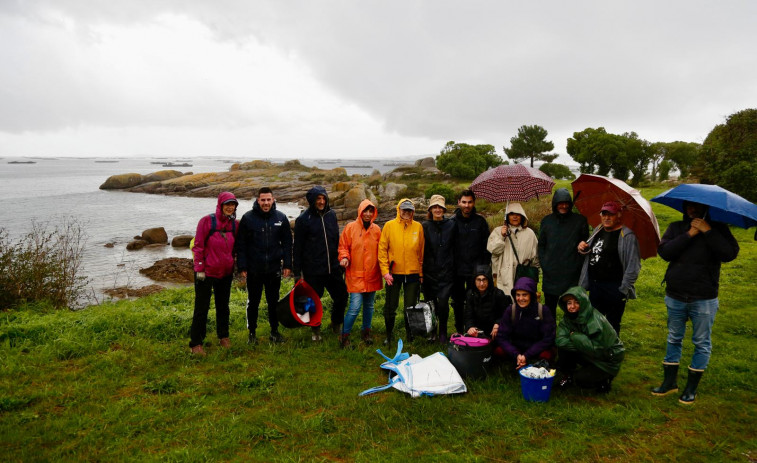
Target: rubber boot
{"type": "Point", "coordinates": [670, 380]}
{"type": "Point", "coordinates": [690, 391]}
{"type": "Point", "coordinates": [344, 340]}
{"type": "Point", "coordinates": [389, 321]}
{"type": "Point", "coordinates": [365, 335]}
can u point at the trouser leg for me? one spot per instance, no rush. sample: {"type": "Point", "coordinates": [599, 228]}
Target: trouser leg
{"type": "Point", "coordinates": [254, 291]}
{"type": "Point", "coordinates": [368, 302]}
{"type": "Point", "coordinates": [458, 301]}
{"type": "Point", "coordinates": [610, 302]}
{"type": "Point", "coordinates": [356, 300]}
{"type": "Point", "coordinates": [390, 307]}
{"type": "Point", "coordinates": [203, 291]}
{"type": "Point", "coordinates": [442, 308]}
{"type": "Point", "coordinates": [338, 291]}
{"type": "Point", "coordinates": [272, 284]}
{"type": "Point", "coordinates": [222, 294]}
{"type": "Point", "coordinates": [702, 314]}
{"type": "Point", "coordinates": [677, 316]}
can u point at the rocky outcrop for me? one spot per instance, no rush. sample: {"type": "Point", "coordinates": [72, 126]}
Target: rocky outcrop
{"type": "Point", "coordinates": [123, 181]}
{"type": "Point", "coordinates": [172, 269]}
{"type": "Point", "coordinates": [181, 241]}
{"type": "Point", "coordinates": [136, 244]}
{"type": "Point", "coordinates": [425, 162]}
{"type": "Point", "coordinates": [155, 235]}
{"type": "Point", "coordinates": [124, 291]}
{"type": "Point", "coordinates": [392, 190]}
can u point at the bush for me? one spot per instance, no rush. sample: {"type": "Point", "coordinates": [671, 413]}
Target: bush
{"type": "Point", "coordinates": [441, 189]}
{"type": "Point", "coordinates": [557, 171]}
{"type": "Point", "coordinates": [43, 265]}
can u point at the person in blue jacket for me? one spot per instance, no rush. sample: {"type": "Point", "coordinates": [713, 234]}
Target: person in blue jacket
{"type": "Point", "coordinates": [264, 255]}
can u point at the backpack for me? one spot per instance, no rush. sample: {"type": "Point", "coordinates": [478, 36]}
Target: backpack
{"type": "Point", "coordinates": [541, 312]}
{"type": "Point", "coordinates": [213, 229]}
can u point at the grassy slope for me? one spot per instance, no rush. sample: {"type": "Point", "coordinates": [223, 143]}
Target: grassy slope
{"type": "Point", "coordinates": [115, 382]}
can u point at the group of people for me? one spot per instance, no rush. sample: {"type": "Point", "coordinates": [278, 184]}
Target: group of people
{"type": "Point", "coordinates": [457, 258]}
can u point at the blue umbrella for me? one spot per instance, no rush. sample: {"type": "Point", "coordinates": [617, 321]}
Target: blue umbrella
{"type": "Point", "coordinates": [724, 206]}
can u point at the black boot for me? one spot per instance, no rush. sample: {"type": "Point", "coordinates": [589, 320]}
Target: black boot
{"type": "Point", "coordinates": [670, 380]}
{"type": "Point", "coordinates": [690, 391]}
{"type": "Point", "coordinates": [365, 335]}
{"type": "Point", "coordinates": [389, 321]}
{"type": "Point", "coordinates": [251, 338]}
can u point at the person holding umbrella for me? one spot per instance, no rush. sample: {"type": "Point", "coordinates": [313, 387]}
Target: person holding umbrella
{"type": "Point", "coordinates": [511, 244]}
{"type": "Point", "coordinates": [611, 265]}
{"type": "Point", "coordinates": [695, 247]}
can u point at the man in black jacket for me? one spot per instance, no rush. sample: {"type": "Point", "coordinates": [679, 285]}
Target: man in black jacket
{"type": "Point", "coordinates": [264, 246]}
{"type": "Point", "coordinates": [559, 235]}
{"type": "Point", "coordinates": [316, 254]}
{"type": "Point", "coordinates": [470, 251]}
{"type": "Point", "coordinates": [695, 248]}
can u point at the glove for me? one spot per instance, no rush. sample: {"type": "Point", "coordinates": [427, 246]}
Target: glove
{"type": "Point", "coordinates": [201, 276]}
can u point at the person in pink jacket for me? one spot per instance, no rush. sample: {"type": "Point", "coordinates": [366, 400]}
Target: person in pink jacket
{"type": "Point", "coordinates": [214, 268]}
{"type": "Point", "coordinates": [358, 254]}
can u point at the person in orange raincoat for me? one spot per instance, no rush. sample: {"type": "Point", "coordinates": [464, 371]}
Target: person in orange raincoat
{"type": "Point", "coordinates": [358, 254]}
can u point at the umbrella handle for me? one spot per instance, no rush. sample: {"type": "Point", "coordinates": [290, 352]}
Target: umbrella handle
{"type": "Point", "coordinates": [593, 234]}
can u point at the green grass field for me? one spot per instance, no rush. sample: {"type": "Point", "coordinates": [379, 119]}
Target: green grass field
{"type": "Point", "coordinates": [116, 383]}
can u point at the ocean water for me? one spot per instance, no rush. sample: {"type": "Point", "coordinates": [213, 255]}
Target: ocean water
{"type": "Point", "coordinates": [54, 189]}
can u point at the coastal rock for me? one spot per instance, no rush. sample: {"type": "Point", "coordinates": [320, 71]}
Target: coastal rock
{"type": "Point", "coordinates": [172, 269]}
{"type": "Point", "coordinates": [136, 245]}
{"type": "Point", "coordinates": [161, 175]}
{"type": "Point", "coordinates": [353, 197]}
{"type": "Point", "coordinates": [110, 245]}
{"type": "Point", "coordinates": [181, 241]}
{"type": "Point", "coordinates": [392, 190]}
{"type": "Point", "coordinates": [124, 291]}
{"type": "Point", "coordinates": [425, 162]}
{"type": "Point", "coordinates": [117, 182]}
{"type": "Point", "coordinates": [155, 235]}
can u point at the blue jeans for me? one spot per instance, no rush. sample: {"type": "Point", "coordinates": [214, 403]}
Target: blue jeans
{"type": "Point", "coordinates": [356, 300]}
{"type": "Point", "coordinates": [702, 316]}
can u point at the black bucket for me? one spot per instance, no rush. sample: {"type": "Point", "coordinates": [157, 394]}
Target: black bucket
{"type": "Point", "coordinates": [471, 361]}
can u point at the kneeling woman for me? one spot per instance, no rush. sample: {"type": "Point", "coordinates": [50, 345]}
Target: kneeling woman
{"type": "Point", "coordinates": [589, 350]}
{"type": "Point", "coordinates": [527, 328]}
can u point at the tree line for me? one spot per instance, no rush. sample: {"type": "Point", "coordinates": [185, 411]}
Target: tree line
{"type": "Point", "coordinates": [727, 157]}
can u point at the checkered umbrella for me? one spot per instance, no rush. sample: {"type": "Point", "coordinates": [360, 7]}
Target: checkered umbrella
{"type": "Point", "coordinates": [514, 182]}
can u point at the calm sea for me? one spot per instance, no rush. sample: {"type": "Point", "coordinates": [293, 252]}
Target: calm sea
{"type": "Point", "coordinates": [52, 189]}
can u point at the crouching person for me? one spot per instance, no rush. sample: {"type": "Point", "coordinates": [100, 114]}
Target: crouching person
{"type": "Point", "coordinates": [527, 329]}
{"type": "Point", "coordinates": [589, 350]}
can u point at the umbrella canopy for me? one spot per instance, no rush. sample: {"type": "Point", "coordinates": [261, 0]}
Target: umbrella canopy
{"type": "Point", "coordinates": [724, 206]}
{"type": "Point", "coordinates": [514, 182]}
{"type": "Point", "coordinates": [590, 192]}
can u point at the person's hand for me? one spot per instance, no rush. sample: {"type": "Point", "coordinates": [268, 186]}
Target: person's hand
{"type": "Point", "coordinates": [701, 225]}
{"type": "Point", "coordinates": [286, 273]}
{"type": "Point", "coordinates": [520, 361]}
{"type": "Point", "coordinates": [201, 276]}
{"type": "Point", "coordinates": [389, 279]}
{"type": "Point", "coordinates": [538, 297]}
{"type": "Point", "coordinates": [472, 331]}
{"type": "Point", "coordinates": [583, 247]}
{"type": "Point", "coordinates": [345, 262]}
{"type": "Point", "coordinates": [505, 230]}
{"type": "Point", "coordinates": [495, 329]}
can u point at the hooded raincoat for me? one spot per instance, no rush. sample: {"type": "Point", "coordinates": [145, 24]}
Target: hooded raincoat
{"type": "Point", "coordinates": [360, 246]}
{"type": "Point", "coordinates": [214, 253]}
{"type": "Point", "coordinates": [559, 235]}
{"type": "Point", "coordinates": [528, 334]}
{"type": "Point", "coordinates": [589, 334]}
{"type": "Point", "coordinates": [401, 246]}
{"type": "Point", "coordinates": [504, 262]}
{"type": "Point", "coordinates": [316, 238]}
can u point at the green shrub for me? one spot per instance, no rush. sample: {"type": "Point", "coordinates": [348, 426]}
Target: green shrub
{"type": "Point", "coordinates": [43, 265]}
{"type": "Point", "coordinates": [558, 171]}
{"type": "Point", "coordinates": [441, 189]}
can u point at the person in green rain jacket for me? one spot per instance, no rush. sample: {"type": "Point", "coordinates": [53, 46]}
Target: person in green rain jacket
{"type": "Point", "coordinates": [589, 351]}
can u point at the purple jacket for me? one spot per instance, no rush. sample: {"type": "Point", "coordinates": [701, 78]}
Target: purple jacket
{"type": "Point", "coordinates": [216, 257]}
{"type": "Point", "coordinates": [528, 335]}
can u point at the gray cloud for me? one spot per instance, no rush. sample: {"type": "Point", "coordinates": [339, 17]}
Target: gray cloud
{"type": "Point", "coordinates": [438, 70]}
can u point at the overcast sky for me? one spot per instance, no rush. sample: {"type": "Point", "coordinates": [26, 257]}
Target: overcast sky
{"type": "Point", "coordinates": [362, 78]}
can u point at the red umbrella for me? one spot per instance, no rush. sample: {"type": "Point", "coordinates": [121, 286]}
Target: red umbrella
{"type": "Point", "coordinates": [514, 182]}
{"type": "Point", "coordinates": [590, 192]}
